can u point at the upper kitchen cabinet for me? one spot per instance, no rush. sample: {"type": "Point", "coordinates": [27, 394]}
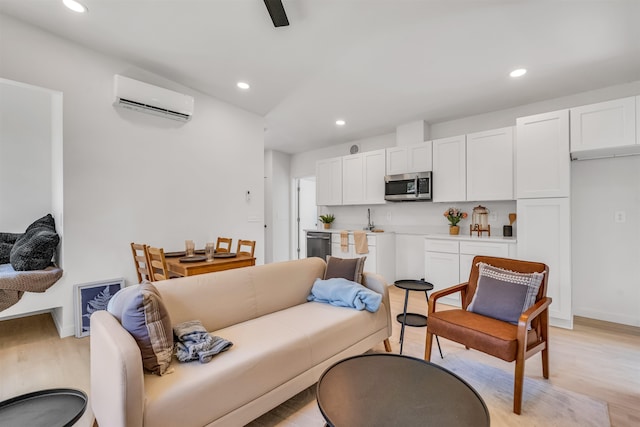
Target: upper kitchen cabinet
{"type": "Point", "coordinates": [542, 155]}
{"type": "Point", "coordinates": [604, 129]}
{"type": "Point", "coordinates": [490, 165]}
{"type": "Point", "coordinates": [410, 159]}
{"type": "Point", "coordinates": [363, 178]}
{"type": "Point", "coordinates": [449, 169]}
{"type": "Point", "coordinates": [329, 182]}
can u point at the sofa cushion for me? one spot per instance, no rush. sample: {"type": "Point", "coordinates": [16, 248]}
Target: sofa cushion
{"type": "Point", "coordinates": [349, 268]}
{"type": "Point", "coordinates": [34, 250]}
{"type": "Point", "coordinates": [268, 352]}
{"type": "Point", "coordinates": [483, 333]}
{"type": "Point", "coordinates": [147, 320]}
{"type": "Point", "coordinates": [504, 294]}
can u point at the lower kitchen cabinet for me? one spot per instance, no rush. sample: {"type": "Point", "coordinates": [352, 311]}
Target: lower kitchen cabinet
{"type": "Point", "coordinates": [381, 257]}
{"type": "Point", "coordinates": [448, 260]}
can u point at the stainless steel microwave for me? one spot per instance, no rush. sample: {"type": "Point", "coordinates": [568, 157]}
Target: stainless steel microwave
{"type": "Point", "coordinates": [408, 187]}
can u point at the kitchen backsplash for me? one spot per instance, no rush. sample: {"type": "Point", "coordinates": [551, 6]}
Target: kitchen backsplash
{"type": "Point", "coordinates": [418, 217]}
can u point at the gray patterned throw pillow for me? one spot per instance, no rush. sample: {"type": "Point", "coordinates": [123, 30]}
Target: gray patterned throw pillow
{"type": "Point", "coordinates": [504, 294]}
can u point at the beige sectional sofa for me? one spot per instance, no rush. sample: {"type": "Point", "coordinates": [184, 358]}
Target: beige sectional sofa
{"type": "Point", "coordinates": [281, 345]}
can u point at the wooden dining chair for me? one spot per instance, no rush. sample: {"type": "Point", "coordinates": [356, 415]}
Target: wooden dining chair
{"type": "Point", "coordinates": [157, 264]}
{"type": "Point", "coordinates": [223, 245]}
{"type": "Point", "coordinates": [250, 246]}
{"type": "Point", "coordinates": [141, 261]}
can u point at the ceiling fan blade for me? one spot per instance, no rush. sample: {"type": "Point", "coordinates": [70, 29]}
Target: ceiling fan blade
{"type": "Point", "coordinates": [277, 13]}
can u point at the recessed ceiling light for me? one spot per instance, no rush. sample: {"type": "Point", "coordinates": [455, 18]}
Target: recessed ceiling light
{"type": "Point", "coordinates": [243, 85]}
{"type": "Point", "coordinates": [518, 73]}
{"type": "Point", "coordinates": [340, 122]}
{"type": "Point", "coordinates": [75, 6]}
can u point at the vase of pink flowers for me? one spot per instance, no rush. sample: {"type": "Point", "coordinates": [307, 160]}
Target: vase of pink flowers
{"type": "Point", "coordinates": [454, 216]}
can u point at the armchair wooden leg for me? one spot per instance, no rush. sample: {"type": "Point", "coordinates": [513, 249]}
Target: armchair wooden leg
{"type": "Point", "coordinates": [518, 384]}
{"type": "Point", "coordinates": [387, 346]}
{"type": "Point", "coordinates": [545, 362]}
{"type": "Point", "coordinates": [427, 347]}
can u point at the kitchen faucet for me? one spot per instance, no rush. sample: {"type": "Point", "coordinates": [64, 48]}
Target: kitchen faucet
{"type": "Point", "coordinates": [370, 225]}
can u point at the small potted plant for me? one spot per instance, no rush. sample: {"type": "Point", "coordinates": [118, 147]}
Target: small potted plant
{"type": "Point", "coordinates": [327, 220]}
{"type": "Point", "coordinates": [454, 216]}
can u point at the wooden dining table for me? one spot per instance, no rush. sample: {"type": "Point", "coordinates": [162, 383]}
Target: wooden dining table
{"type": "Point", "coordinates": [179, 268]}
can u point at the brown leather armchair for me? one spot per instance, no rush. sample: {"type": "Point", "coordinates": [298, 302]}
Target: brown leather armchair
{"type": "Point", "coordinates": [495, 337]}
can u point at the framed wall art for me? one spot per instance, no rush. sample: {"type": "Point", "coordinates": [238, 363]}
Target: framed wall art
{"type": "Point", "coordinates": [91, 297]}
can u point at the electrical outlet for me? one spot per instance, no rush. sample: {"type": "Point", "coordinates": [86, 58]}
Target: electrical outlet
{"type": "Point", "coordinates": [389, 216]}
{"type": "Point", "coordinates": [621, 216]}
{"type": "Point", "coordinates": [493, 216]}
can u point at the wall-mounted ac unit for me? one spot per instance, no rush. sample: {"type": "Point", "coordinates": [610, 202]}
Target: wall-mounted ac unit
{"type": "Point", "coordinates": [150, 99]}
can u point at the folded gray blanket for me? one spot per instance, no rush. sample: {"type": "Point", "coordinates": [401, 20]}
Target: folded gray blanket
{"type": "Point", "coordinates": [195, 343]}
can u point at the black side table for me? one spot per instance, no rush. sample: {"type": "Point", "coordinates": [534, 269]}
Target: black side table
{"type": "Point", "coordinates": [413, 319]}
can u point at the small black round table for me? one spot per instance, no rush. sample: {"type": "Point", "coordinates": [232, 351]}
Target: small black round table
{"type": "Point", "coordinates": [391, 390]}
{"type": "Point", "coordinates": [59, 407]}
{"type": "Point", "coordinates": [413, 319]}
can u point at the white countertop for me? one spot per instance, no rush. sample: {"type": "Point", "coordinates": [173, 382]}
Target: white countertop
{"type": "Point", "coordinates": [338, 230]}
{"type": "Point", "coordinates": [474, 238]}
{"type": "Point", "coordinates": [460, 237]}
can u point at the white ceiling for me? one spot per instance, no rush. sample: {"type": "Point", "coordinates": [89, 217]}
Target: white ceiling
{"type": "Point", "coordinates": [374, 63]}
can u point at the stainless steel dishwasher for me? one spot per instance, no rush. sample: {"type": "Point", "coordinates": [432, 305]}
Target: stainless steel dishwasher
{"type": "Point", "coordinates": [318, 244]}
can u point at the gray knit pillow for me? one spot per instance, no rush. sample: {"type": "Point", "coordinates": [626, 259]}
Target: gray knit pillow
{"type": "Point", "coordinates": [5, 251]}
{"type": "Point", "coordinates": [34, 250]}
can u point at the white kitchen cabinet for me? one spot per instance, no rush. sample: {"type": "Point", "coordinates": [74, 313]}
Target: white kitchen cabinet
{"type": "Point", "coordinates": [442, 270]}
{"type": "Point", "coordinates": [409, 256]}
{"type": "Point", "coordinates": [604, 129]}
{"type": "Point", "coordinates": [410, 159]}
{"type": "Point", "coordinates": [448, 260]}
{"type": "Point", "coordinates": [381, 257]}
{"type": "Point", "coordinates": [449, 169]}
{"type": "Point", "coordinates": [542, 155]}
{"type": "Point", "coordinates": [352, 179]}
{"type": "Point", "coordinates": [544, 235]}
{"type": "Point", "coordinates": [468, 250]}
{"type": "Point", "coordinates": [490, 165]}
{"type": "Point", "coordinates": [363, 178]}
{"type": "Point", "coordinates": [329, 182]}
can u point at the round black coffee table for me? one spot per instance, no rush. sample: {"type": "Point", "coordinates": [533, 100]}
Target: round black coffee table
{"type": "Point", "coordinates": [59, 407]}
{"type": "Point", "coordinates": [392, 390]}
{"type": "Point", "coordinates": [413, 319]}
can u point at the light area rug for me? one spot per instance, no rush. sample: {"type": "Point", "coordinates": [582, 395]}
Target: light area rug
{"type": "Point", "coordinates": [543, 404]}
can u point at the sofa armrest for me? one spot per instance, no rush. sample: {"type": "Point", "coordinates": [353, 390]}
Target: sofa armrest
{"type": "Point", "coordinates": [117, 379]}
{"type": "Point", "coordinates": [376, 283]}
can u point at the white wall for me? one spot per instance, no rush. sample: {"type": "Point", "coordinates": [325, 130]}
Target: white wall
{"type": "Point", "coordinates": [605, 253]}
{"type": "Point", "coordinates": [25, 155]}
{"type": "Point", "coordinates": [134, 177]}
{"type": "Point", "coordinates": [304, 164]}
{"type": "Point", "coordinates": [277, 206]}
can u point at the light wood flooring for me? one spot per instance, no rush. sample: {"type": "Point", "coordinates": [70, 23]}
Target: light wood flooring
{"type": "Point", "coordinates": [598, 359]}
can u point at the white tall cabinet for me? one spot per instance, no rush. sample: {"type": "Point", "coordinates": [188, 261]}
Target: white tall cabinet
{"type": "Point", "coordinates": [543, 178]}
{"type": "Point", "coordinates": [542, 155]}
{"type": "Point", "coordinates": [490, 159]}
{"type": "Point", "coordinates": [544, 235]}
{"type": "Point", "coordinates": [329, 182]}
{"type": "Point", "coordinates": [449, 169]}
